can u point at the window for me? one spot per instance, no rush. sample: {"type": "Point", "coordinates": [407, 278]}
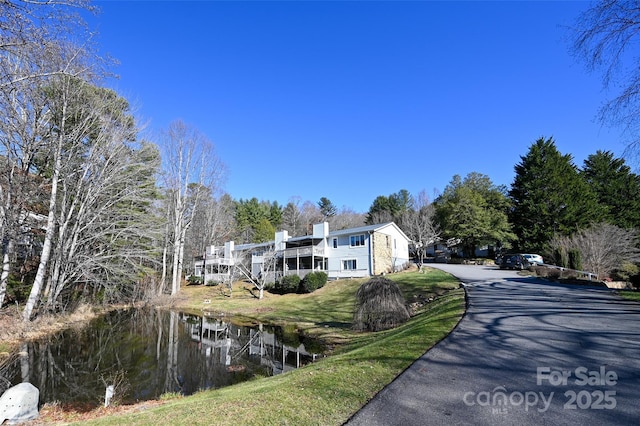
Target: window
{"type": "Point", "coordinates": [357, 240]}
{"type": "Point", "coordinates": [349, 264]}
{"type": "Point", "coordinates": [335, 243]}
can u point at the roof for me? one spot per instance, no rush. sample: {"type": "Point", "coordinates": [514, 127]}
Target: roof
{"type": "Point", "coordinates": [349, 231]}
{"type": "Point", "coordinates": [367, 228]}
{"type": "Point", "coordinates": [251, 246]}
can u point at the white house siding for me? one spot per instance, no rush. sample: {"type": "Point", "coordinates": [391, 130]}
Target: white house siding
{"type": "Point", "coordinates": [345, 252]}
{"type": "Point", "coordinates": [383, 248]}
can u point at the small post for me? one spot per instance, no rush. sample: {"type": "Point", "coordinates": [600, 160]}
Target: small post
{"type": "Point", "coordinates": [108, 395]}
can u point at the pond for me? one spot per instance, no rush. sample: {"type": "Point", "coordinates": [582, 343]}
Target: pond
{"type": "Point", "coordinates": [150, 352]}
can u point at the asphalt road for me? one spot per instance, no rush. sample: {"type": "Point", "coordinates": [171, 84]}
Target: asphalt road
{"type": "Point", "coordinates": [527, 352]}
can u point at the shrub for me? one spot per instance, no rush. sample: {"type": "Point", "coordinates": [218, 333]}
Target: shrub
{"type": "Point", "coordinates": [287, 284]}
{"type": "Point", "coordinates": [554, 274]}
{"type": "Point", "coordinates": [560, 258]}
{"type": "Point", "coordinates": [575, 260]}
{"type": "Point", "coordinates": [379, 305]}
{"type": "Point", "coordinates": [312, 281]}
{"type": "Point", "coordinates": [625, 272]}
{"type": "Point", "coordinates": [195, 280]}
{"type": "Point", "coordinates": [270, 286]}
{"type": "Point", "coordinates": [541, 271]}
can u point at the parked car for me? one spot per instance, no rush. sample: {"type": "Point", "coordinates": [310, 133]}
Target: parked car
{"type": "Point", "coordinates": [514, 261]}
{"type": "Point", "coordinates": [534, 258]}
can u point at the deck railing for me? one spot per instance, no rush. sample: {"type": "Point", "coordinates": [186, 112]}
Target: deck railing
{"type": "Point", "coordinates": [303, 252]}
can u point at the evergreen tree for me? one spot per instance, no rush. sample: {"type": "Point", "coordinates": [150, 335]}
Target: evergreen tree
{"type": "Point", "coordinates": [275, 215]}
{"type": "Point", "coordinates": [473, 211]}
{"type": "Point", "coordinates": [380, 211]}
{"type": "Point", "coordinates": [549, 196]}
{"type": "Point", "coordinates": [263, 231]}
{"type": "Point", "coordinates": [617, 188]}
{"type": "Point", "coordinates": [327, 208]}
{"type": "Point", "coordinates": [391, 208]}
{"type": "Point", "coordinates": [252, 218]}
{"type": "Point", "coordinates": [248, 214]}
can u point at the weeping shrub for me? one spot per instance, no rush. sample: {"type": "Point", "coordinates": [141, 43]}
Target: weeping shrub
{"type": "Point", "coordinates": [379, 305]}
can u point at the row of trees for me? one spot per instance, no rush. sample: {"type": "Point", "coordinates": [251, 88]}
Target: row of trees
{"type": "Point", "coordinates": [551, 207]}
{"type": "Point", "coordinates": [75, 182]}
{"type": "Point", "coordinates": [87, 208]}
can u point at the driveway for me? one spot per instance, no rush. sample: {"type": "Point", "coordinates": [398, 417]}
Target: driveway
{"type": "Point", "coordinates": [527, 352]}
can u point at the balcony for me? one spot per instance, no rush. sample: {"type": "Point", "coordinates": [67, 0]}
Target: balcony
{"type": "Point", "coordinates": [303, 252]}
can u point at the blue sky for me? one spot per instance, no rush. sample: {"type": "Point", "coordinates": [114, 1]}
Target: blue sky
{"type": "Point", "coordinates": [353, 99]}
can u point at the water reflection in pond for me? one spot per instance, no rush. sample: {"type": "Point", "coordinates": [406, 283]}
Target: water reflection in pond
{"type": "Point", "coordinates": [153, 352]}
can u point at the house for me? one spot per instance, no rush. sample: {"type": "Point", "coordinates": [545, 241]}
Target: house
{"type": "Point", "coordinates": [346, 253]}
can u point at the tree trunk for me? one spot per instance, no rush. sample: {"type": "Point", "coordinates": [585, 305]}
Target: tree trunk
{"type": "Point", "coordinates": [48, 238]}
{"type": "Point", "coordinates": [165, 253]}
{"type": "Point", "coordinates": [176, 254]}
{"type": "Point", "coordinates": [7, 248]}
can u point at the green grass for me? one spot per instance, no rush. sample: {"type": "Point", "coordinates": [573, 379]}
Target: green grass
{"type": "Point", "coordinates": [326, 313]}
{"type": "Point", "coordinates": [630, 295]}
{"type": "Point", "coordinates": [328, 391]}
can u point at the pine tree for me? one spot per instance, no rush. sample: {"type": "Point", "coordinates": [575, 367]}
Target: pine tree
{"type": "Point", "coordinates": [327, 208]}
{"type": "Point", "coordinates": [617, 188]}
{"type": "Point", "coordinates": [549, 196]}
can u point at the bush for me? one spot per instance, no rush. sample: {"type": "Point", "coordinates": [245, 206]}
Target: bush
{"type": "Point", "coordinates": [270, 286]}
{"type": "Point", "coordinates": [312, 281]}
{"type": "Point", "coordinates": [541, 271]}
{"type": "Point", "coordinates": [379, 305]}
{"type": "Point", "coordinates": [195, 280]}
{"type": "Point", "coordinates": [287, 284]}
{"type": "Point", "coordinates": [554, 274]}
{"type": "Point", "coordinates": [625, 272]}
{"type": "Point", "coordinates": [560, 258]}
{"type": "Point", "coordinates": [575, 260]}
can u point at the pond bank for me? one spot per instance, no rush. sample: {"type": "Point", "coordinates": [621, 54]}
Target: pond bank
{"type": "Point", "coordinates": [325, 392]}
{"type": "Point", "coordinates": [14, 331]}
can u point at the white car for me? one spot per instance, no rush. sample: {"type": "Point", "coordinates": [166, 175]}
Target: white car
{"type": "Point", "coordinates": [533, 259]}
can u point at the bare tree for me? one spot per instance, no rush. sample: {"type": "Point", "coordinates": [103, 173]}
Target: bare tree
{"type": "Point", "coordinates": [421, 227]}
{"type": "Point", "coordinates": [268, 262]}
{"type": "Point", "coordinates": [292, 217]}
{"type": "Point", "coordinates": [605, 38]}
{"type": "Point", "coordinates": [213, 224]}
{"type": "Point", "coordinates": [36, 44]}
{"type": "Point", "coordinates": [191, 169]}
{"type": "Point", "coordinates": [345, 219]}
{"type": "Point", "coordinates": [603, 247]}
{"type": "Point", "coordinates": [309, 214]}
{"type": "Point", "coordinates": [23, 130]}
{"type": "Point", "coordinates": [101, 190]}
{"type": "Point", "coordinates": [65, 92]}
{"type": "Point", "coordinates": [30, 30]}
